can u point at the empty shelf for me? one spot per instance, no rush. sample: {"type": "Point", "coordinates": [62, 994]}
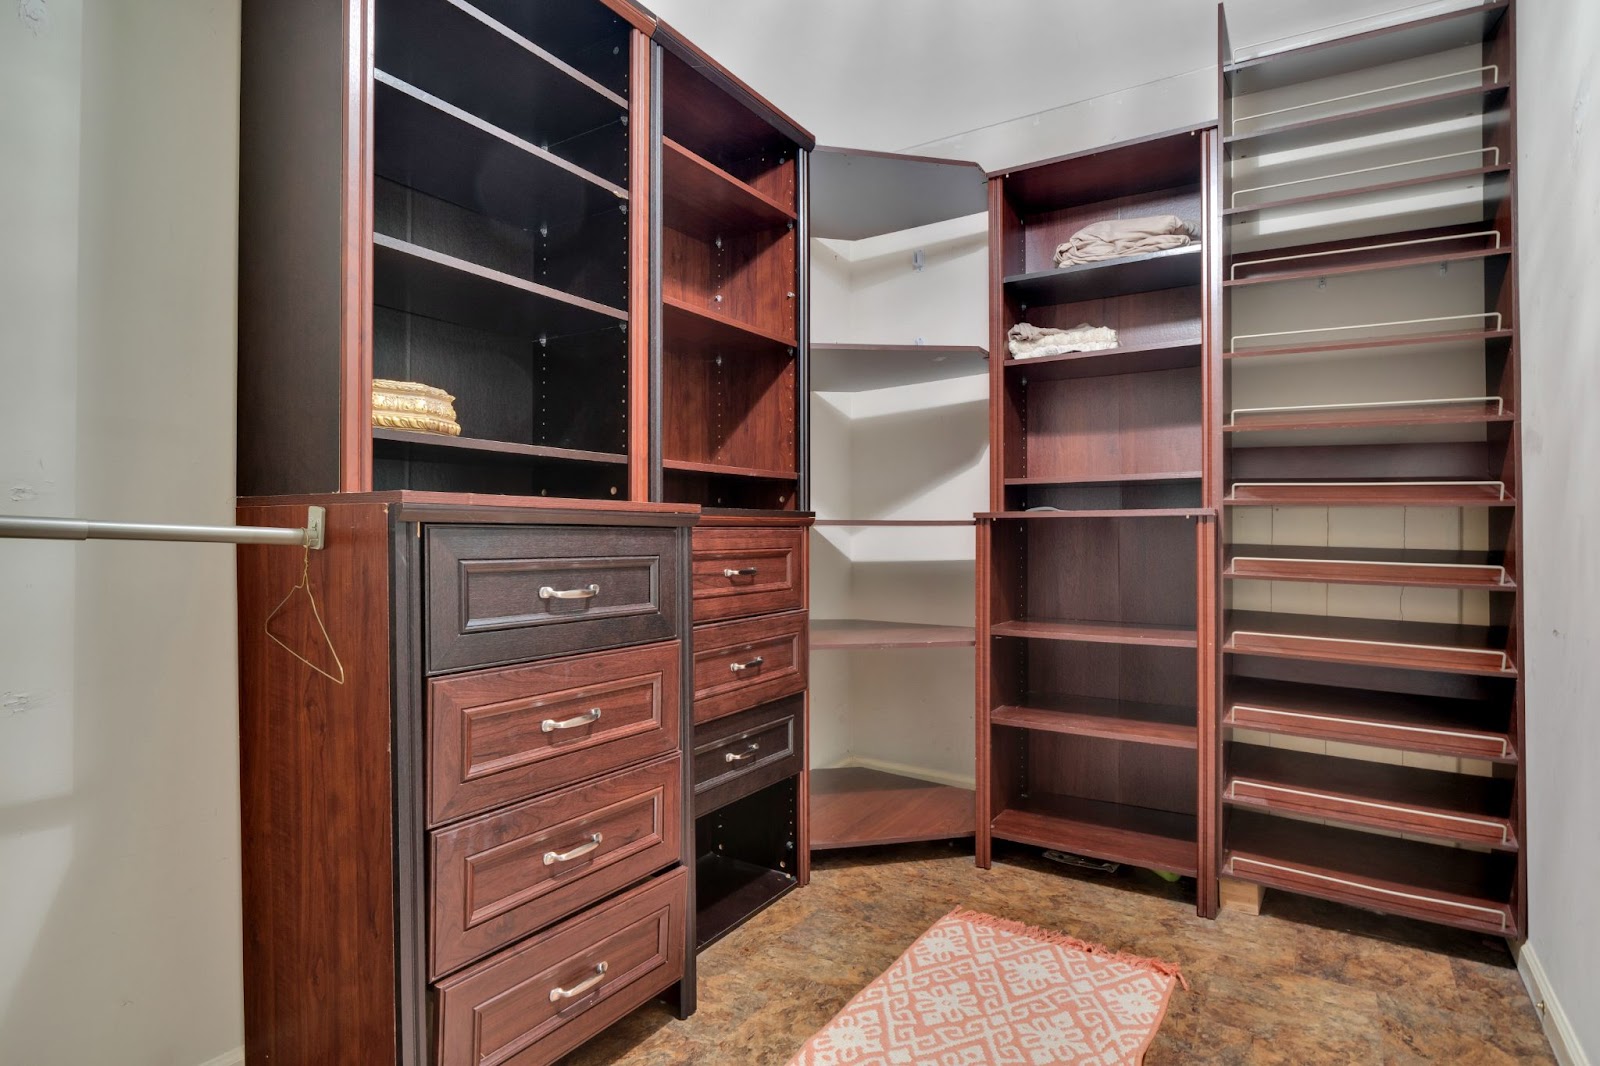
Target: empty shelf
{"type": "Point", "coordinates": [1369, 566]}
{"type": "Point", "coordinates": [706, 201]}
{"type": "Point", "coordinates": [1089, 716]}
{"type": "Point", "coordinates": [1046, 514]}
{"type": "Point", "coordinates": [496, 448]}
{"type": "Point", "coordinates": [687, 466]}
{"type": "Point", "coordinates": [856, 807]}
{"type": "Point", "coordinates": [1490, 185]}
{"type": "Point", "coordinates": [1364, 51]}
{"type": "Point", "coordinates": [1384, 118]}
{"type": "Point", "coordinates": [1171, 269]}
{"type": "Point", "coordinates": [855, 634]}
{"type": "Point", "coordinates": [408, 277]}
{"type": "Point", "coordinates": [1154, 636]}
{"type": "Point", "coordinates": [703, 327]}
{"type": "Point", "coordinates": [1459, 808]}
{"type": "Point", "coordinates": [1117, 832]}
{"type": "Point", "coordinates": [1395, 414]}
{"type": "Point", "coordinates": [862, 523]}
{"type": "Point", "coordinates": [1436, 646]}
{"type": "Point", "coordinates": [426, 144]}
{"type": "Point", "coordinates": [1392, 346]}
{"type": "Point", "coordinates": [1455, 886]}
{"type": "Point", "coordinates": [727, 891]}
{"type": "Point", "coordinates": [857, 194]}
{"type": "Point", "coordinates": [1430, 724]}
{"type": "Point", "coordinates": [1131, 360]}
{"type": "Point", "coordinates": [862, 367]}
{"type": "Point", "coordinates": [1393, 251]}
{"type": "Point", "coordinates": [1107, 479]}
{"type": "Point", "coordinates": [1369, 494]}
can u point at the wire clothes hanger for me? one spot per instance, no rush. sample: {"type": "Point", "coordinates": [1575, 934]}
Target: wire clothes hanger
{"type": "Point", "coordinates": [304, 586]}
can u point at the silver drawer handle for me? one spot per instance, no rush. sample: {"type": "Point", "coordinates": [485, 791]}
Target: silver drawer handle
{"type": "Point", "coordinates": [734, 668]}
{"type": "Point", "coordinates": [550, 725]}
{"type": "Point", "coordinates": [548, 593]}
{"type": "Point", "coordinates": [559, 994]}
{"type": "Point", "coordinates": [553, 857]}
{"type": "Point", "coordinates": [743, 571]}
{"type": "Point", "coordinates": [734, 756]}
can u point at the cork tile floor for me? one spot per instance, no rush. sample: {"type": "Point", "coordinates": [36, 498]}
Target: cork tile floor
{"type": "Point", "coordinates": [1302, 983]}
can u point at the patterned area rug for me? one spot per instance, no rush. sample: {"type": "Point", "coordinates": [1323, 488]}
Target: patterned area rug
{"type": "Point", "coordinates": [975, 990]}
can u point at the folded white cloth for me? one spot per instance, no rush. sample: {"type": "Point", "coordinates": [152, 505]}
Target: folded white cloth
{"type": "Point", "coordinates": [1030, 342]}
{"type": "Point", "coordinates": [1117, 237]}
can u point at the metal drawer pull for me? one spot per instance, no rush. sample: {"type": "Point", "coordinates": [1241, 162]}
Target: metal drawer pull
{"type": "Point", "coordinates": [743, 571]}
{"type": "Point", "coordinates": [548, 593]}
{"type": "Point", "coordinates": [734, 756]}
{"type": "Point", "coordinates": [550, 725]}
{"type": "Point", "coordinates": [735, 668]}
{"type": "Point", "coordinates": [553, 857]}
{"type": "Point", "coordinates": [559, 994]}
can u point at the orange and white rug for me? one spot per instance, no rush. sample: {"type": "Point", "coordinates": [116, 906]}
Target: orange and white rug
{"type": "Point", "coordinates": [976, 990]}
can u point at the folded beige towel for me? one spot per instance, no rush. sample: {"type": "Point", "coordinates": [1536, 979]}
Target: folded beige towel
{"type": "Point", "coordinates": [1117, 237]}
{"type": "Point", "coordinates": [1028, 341]}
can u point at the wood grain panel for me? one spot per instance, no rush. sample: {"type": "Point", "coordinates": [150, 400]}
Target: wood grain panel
{"type": "Point", "coordinates": [727, 676]}
{"type": "Point", "coordinates": [768, 575]}
{"type": "Point", "coordinates": [316, 794]}
{"type": "Point", "coordinates": [1128, 424]}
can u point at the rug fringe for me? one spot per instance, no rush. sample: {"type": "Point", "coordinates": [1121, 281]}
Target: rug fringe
{"type": "Point", "coordinates": [1143, 962]}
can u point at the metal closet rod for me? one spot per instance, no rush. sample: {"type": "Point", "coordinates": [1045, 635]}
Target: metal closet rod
{"type": "Point", "coordinates": [309, 536]}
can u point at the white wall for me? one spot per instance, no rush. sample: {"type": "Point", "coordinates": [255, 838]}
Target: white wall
{"type": "Point", "coordinates": [1559, 157]}
{"type": "Point", "coordinates": [119, 849]}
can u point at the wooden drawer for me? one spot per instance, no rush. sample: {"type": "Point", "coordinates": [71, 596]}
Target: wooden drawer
{"type": "Point", "coordinates": [503, 735]}
{"type": "Point", "coordinates": [738, 665]}
{"type": "Point", "coordinates": [742, 754]}
{"type": "Point", "coordinates": [509, 1010]}
{"type": "Point", "coordinates": [743, 572]}
{"type": "Point", "coordinates": [507, 874]}
{"type": "Point", "coordinates": [501, 594]}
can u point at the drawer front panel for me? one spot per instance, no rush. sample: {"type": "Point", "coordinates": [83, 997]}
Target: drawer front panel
{"type": "Point", "coordinates": [533, 1003]}
{"type": "Point", "coordinates": [503, 735]}
{"type": "Point", "coordinates": [741, 754]}
{"type": "Point", "coordinates": [507, 874]}
{"type": "Point", "coordinates": [738, 665]}
{"type": "Point", "coordinates": [506, 594]}
{"type": "Point", "coordinates": [744, 572]}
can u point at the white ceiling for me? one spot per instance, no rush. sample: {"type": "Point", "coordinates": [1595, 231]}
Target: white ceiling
{"type": "Point", "coordinates": [891, 74]}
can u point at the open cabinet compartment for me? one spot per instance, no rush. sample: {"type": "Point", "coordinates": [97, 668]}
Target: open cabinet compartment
{"type": "Point", "coordinates": [731, 295]}
{"type": "Point", "coordinates": [501, 243]}
{"type": "Point", "coordinates": [745, 858]}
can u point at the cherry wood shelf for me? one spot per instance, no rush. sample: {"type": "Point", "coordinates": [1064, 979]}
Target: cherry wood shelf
{"type": "Point", "coordinates": [1089, 716]}
{"type": "Point", "coordinates": [704, 200]}
{"type": "Point", "coordinates": [1098, 633]}
{"type": "Point", "coordinates": [686, 466]}
{"type": "Point", "coordinates": [1174, 268]}
{"type": "Point", "coordinates": [728, 892]}
{"type": "Point", "coordinates": [495, 448]}
{"type": "Point", "coordinates": [861, 367]}
{"type": "Point", "coordinates": [1427, 341]}
{"type": "Point", "coordinates": [699, 327]}
{"type": "Point", "coordinates": [1399, 416]}
{"type": "Point", "coordinates": [1368, 494]}
{"type": "Point", "coordinates": [408, 277]}
{"type": "Point", "coordinates": [856, 807]}
{"type": "Point", "coordinates": [1107, 479]}
{"type": "Point", "coordinates": [1451, 807]}
{"type": "Point", "coordinates": [855, 634]}
{"type": "Point", "coordinates": [1131, 360]}
{"type": "Point", "coordinates": [1369, 566]}
{"type": "Point", "coordinates": [1451, 105]}
{"type": "Point", "coordinates": [905, 523]}
{"type": "Point", "coordinates": [1427, 724]}
{"type": "Point", "coordinates": [1057, 514]}
{"type": "Point", "coordinates": [1454, 886]}
{"type": "Point", "coordinates": [1496, 187]}
{"type": "Point", "coordinates": [1435, 646]}
{"type": "Point", "coordinates": [428, 145]}
{"type": "Point", "coordinates": [1116, 832]}
{"type": "Point", "coordinates": [1363, 51]}
{"type": "Point", "coordinates": [1338, 265]}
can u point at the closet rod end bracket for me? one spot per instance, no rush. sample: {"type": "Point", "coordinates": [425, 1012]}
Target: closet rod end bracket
{"type": "Point", "coordinates": [316, 527]}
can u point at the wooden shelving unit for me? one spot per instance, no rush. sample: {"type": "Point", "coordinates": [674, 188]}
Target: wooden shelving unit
{"type": "Point", "coordinates": [1369, 369]}
{"type": "Point", "coordinates": [859, 634]}
{"type": "Point", "coordinates": [853, 807]}
{"type": "Point", "coordinates": [1096, 560]}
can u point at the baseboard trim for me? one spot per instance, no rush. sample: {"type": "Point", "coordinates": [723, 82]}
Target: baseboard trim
{"type": "Point", "coordinates": [1557, 1027]}
{"type": "Point", "coordinates": [227, 1058]}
